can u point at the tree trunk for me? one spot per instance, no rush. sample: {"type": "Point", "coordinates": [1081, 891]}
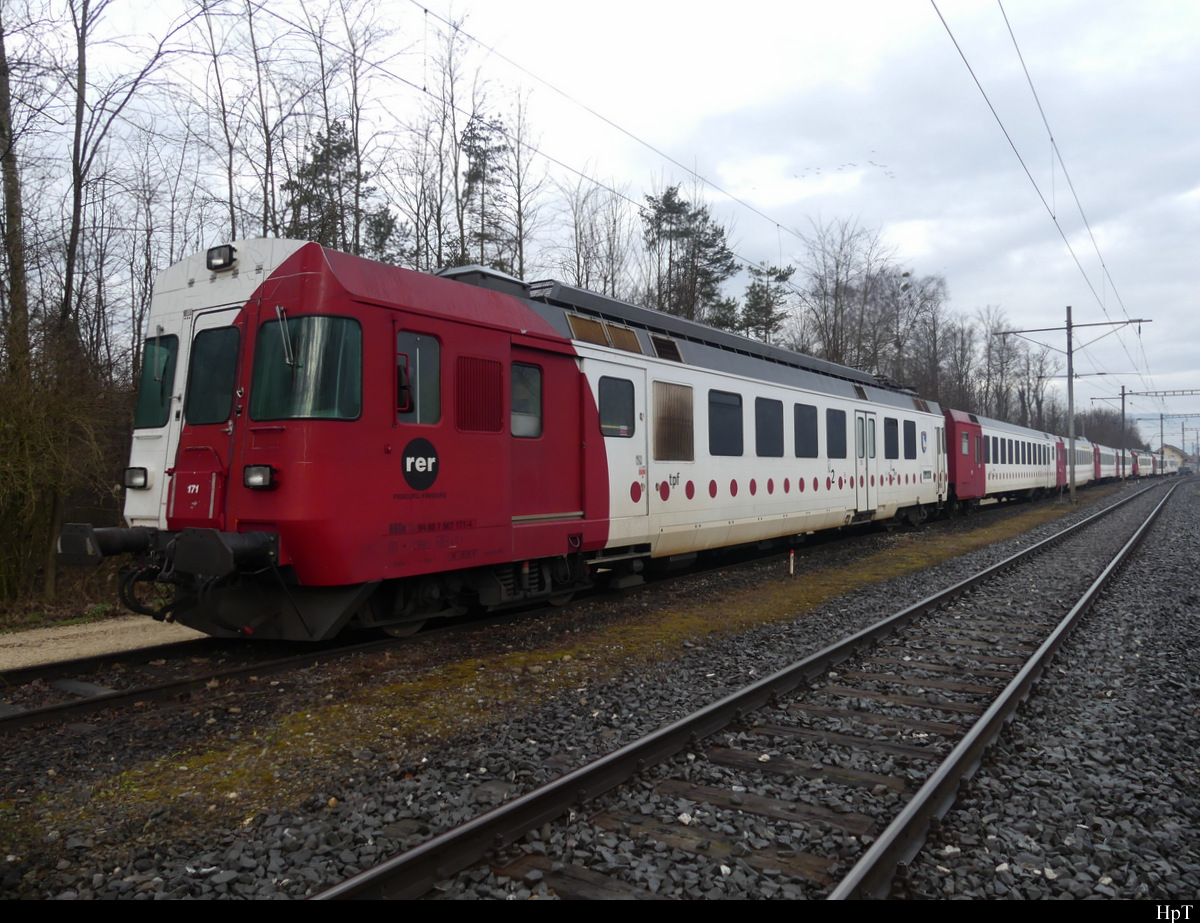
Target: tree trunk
{"type": "Point", "coordinates": [14, 236]}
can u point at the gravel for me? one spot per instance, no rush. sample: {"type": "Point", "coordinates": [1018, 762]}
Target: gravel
{"type": "Point", "coordinates": [1074, 809]}
{"type": "Point", "coordinates": [1093, 792]}
{"type": "Point", "coordinates": [66, 642]}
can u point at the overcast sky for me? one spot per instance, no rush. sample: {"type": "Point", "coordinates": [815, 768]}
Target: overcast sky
{"type": "Point", "coordinates": [822, 111]}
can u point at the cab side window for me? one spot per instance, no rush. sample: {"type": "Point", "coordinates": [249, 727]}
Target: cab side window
{"type": "Point", "coordinates": [526, 401]}
{"type": "Point", "coordinates": [418, 378]}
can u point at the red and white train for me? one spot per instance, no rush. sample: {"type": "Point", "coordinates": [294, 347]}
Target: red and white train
{"type": "Point", "coordinates": [324, 441]}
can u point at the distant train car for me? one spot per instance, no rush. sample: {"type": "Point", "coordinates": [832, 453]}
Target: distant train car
{"type": "Point", "coordinates": [1125, 463]}
{"type": "Point", "coordinates": [1107, 464]}
{"type": "Point", "coordinates": [1021, 462]}
{"type": "Point", "coordinates": [1086, 463]}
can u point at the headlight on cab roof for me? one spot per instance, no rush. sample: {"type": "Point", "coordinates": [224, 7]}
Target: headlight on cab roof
{"type": "Point", "coordinates": [220, 258]}
{"type": "Point", "coordinates": [260, 477]}
{"type": "Point", "coordinates": [136, 478]}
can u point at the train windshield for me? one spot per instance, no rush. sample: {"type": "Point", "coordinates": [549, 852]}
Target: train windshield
{"type": "Point", "coordinates": [157, 382]}
{"type": "Point", "coordinates": [308, 368]}
{"type": "Point", "coordinates": [212, 374]}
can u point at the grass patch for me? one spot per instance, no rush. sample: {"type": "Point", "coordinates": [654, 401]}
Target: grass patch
{"type": "Point", "coordinates": [84, 595]}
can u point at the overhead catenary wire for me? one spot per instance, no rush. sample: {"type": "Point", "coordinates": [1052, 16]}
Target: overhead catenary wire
{"type": "Point", "coordinates": [1028, 173]}
{"type": "Point", "coordinates": [1079, 205]}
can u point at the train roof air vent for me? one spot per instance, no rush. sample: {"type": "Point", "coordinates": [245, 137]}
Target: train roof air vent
{"type": "Point", "coordinates": [623, 338]}
{"type": "Point", "coordinates": [665, 348]}
{"type": "Point", "coordinates": [588, 330]}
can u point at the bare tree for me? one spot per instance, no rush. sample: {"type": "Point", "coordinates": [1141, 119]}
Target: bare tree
{"type": "Point", "coordinates": [1000, 355]}
{"type": "Point", "coordinates": [617, 232]}
{"type": "Point", "coordinates": [930, 319]}
{"type": "Point", "coordinates": [98, 108]}
{"type": "Point", "coordinates": [843, 277]}
{"type": "Point", "coordinates": [228, 115]}
{"type": "Point", "coordinates": [418, 190]}
{"type": "Point", "coordinates": [1037, 367]}
{"type": "Point", "coordinates": [528, 179]}
{"type": "Point", "coordinates": [576, 257]}
{"type": "Point", "coordinates": [594, 243]}
{"type": "Point", "coordinates": [16, 292]}
{"type": "Point", "coordinates": [959, 386]}
{"type": "Point", "coordinates": [430, 186]}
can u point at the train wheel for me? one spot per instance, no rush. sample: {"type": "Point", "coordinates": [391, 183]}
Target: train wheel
{"type": "Point", "coordinates": [560, 599]}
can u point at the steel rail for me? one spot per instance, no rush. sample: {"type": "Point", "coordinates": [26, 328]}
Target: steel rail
{"type": "Point", "coordinates": [871, 876]}
{"type": "Point", "coordinates": [59, 669]}
{"type": "Point", "coordinates": [167, 689]}
{"type": "Point", "coordinates": [412, 873]}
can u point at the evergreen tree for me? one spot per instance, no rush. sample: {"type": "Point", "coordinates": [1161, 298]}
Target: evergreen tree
{"type": "Point", "coordinates": [766, 299]}
{"type": "Point", "coordinates": [485, 189]}
{"type": "Point", "coordinates": [322, 197]}
{"type": "Point", "coordinates": [725, 315]}
{"type": "Point", "coordinates": [689, 256]}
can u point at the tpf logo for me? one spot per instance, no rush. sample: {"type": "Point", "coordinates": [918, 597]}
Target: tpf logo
{"type": "Point", "coordinates": [420, 464]}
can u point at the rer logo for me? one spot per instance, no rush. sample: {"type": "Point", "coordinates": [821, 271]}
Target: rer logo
{"type": "Point", "coordinates": [420, 464]}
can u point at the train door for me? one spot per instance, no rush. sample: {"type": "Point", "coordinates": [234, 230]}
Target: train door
{"type": "Point", "coordinates": [212, 405]}
{"type": "Point", "coordinates": [620, 392]}
{"type": "Point", "coordinates": [941, 464]}
{"type": "Point", "coordinates": [545, 390]}
{"type": "Point", "coordinates": [864, 461]}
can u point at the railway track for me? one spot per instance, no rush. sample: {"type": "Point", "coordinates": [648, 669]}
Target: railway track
{"type": "Point", "coordinates": [816, 781]}
{"type": "Point", "coordinates": [55, 693]}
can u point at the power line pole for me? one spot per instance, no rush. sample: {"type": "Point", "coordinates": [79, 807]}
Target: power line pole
{"type": "Point", "coordinates": [1071, 375]}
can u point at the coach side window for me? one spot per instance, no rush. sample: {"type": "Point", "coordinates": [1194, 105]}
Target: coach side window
{"type": "Point", "coordinates": [526, 401]}
{"type": "Point", "coordinates": [418, 378]}
{"type": "Point", "coordinates": [804, 418]}
{"type": "Point", "coordinates": [910, 439]}
{"type": "Point", "coordinates": [835, 433]}
{"type": "Point", "coordinates": [674, 439]}
{"type": "Point", "coordinates": [768, 428]}
{"type": "Point", "coordinates": [616, 407]}
{"type": "Point", "coordinates": [724, 423]}
{"type": "Point", "coordinates": [891, 438]}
